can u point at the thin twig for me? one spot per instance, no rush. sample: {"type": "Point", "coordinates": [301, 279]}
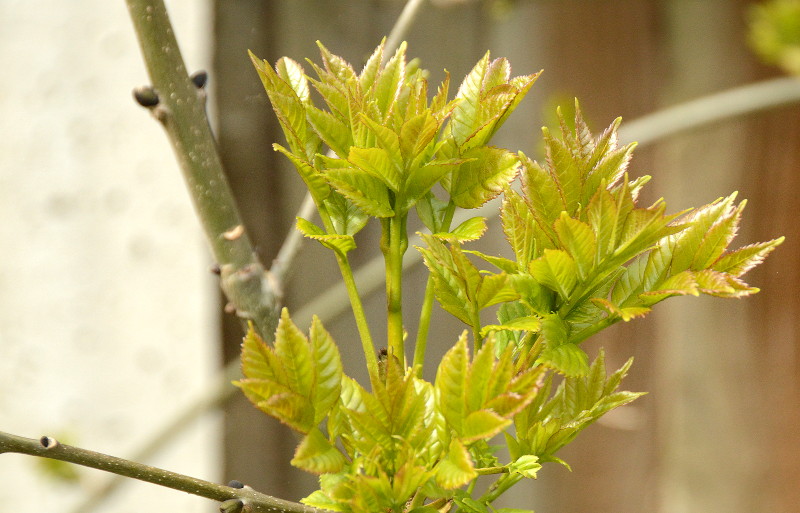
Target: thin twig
{"type": "Point", "coordinates": [212, 396]}
{"type": "Point", "coordinates": [48, 447]}
{"type": "Point", "coordinates": [180, 107]}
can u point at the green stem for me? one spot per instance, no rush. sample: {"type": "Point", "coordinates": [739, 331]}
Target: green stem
{"type": "Point", "coordinates": [361, 318]}
{"type": "Point", "coordinates": [356, 304]}
{"type": "Point", "coordinates": [594, 328]}
{"type": "Point", "coordinates": [417, 501]}
{"type": "Point", "coordinates": [48, 447]}
{"type": "Point", "coordinates": [421, 342]}
{"type": "Point", "coordinates": [500, 486]}
{"type": "Point", "coordinates": [394, 242]}
{"type": "Point", "coordinates": [476, 329]}
{"type": "Point", "coordinates": [424, 325]}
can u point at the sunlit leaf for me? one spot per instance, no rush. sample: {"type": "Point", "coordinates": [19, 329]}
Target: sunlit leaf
{"type": "Point", "coordinates": [450, 383]}
{"type": "Point", "coordinates": [579, 241]}
{"type": "Point", "coordinates": [314, 180]}
{"type": "Point", "coordinates": [527, 466]}
{"type": "Point", "coordinates": [486, 173]}
{"type": "Point", "coordinates": [471, 229]}
{"type": "Point", "coordinates": [482, 424]}
{"type": "Point", "coordinates": [738, 262]}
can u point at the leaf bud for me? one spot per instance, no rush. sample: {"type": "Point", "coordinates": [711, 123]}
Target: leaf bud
{"type": "Point", "coordinates": [231, 506]}
{"type": "Point", "coordinates": [48, 442]}
{"type": "Point", "coordinates": [199, 78]}
{"type": "Point", "coordinates": [146, 96]}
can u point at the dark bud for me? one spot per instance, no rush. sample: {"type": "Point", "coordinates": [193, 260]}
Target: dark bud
{"type": "Point", "coordinates": [199, 78]}
{"type": "Point", "coordinates": [48, 442]}
{"type": "Point", "coordinates": [146, 96]}
{"type": "Point", "coordinates": [236, 484]}
{"type": "Point", "coordinates": [215, 269]}
{"type": "Point", "coordinates": [231, 506]}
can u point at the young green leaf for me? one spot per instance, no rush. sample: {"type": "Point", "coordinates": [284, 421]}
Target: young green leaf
{"type": "Point", "coordinates": [298, 382]}
{"type": "Point", "coordinates": [338, 243]}
{"type": "Point", "coordinates": [317, 455]}
{"type": "Point", "coordinates": [557, 270]}
{"type": "Point", "coordinates": [456, 469]}
{"type": "Point", "coordinates": [484, 175]}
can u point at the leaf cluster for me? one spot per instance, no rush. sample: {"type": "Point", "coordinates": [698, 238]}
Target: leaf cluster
{"type": "Point", "coordinates": [586, 255]}
{"type": "Point", "coordinates": [388, 144]}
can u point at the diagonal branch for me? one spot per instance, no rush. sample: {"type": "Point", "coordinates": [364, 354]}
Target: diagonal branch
{"type": "Point", "coordinates": [238, 498]}
{"type": "Point", "coordinates": [180, 107]}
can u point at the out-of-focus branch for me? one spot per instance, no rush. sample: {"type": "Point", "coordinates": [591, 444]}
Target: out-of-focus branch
{"type": "Point", "coordinates": [234, 498]}
{"type": "Point", "coordinates": [177, 102]}
{"type": "Point", "coordinates": [738, 101]}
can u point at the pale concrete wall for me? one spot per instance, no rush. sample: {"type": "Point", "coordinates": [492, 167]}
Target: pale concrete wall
{"type": "Point", "coordinates": [107, 310]}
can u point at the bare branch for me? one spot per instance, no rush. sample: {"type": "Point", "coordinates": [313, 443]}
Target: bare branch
{"type": "Point", "coordinates": [179, 104]}
{"type": "Point", "coordinates": [48, 447]}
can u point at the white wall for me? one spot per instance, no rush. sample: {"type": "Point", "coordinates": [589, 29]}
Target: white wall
{"type": "Point", "coordinates": [107, 310]}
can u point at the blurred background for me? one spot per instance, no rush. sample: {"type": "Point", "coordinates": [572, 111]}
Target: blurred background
{"type": "Point", "coordinates": [111, 324]}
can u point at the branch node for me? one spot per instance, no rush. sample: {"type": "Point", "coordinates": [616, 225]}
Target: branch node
{"type": "Point", "coordinates": [215, 269]}
{"type": "Point", "coordinates": [230, 308]}
{"type": "Point", "coordinates": [146, 96]}
{"type": "Point", "coordinates": [48, 442]}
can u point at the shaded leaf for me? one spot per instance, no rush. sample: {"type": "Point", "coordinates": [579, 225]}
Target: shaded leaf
{"type": "Point", "coordinates": [456, 469]}
{"type": "Point", "coordinates": [317, 455]}
{"type": "Point", "coordinates": [557, 270]}
{"type": "Point", "coordinates": [339, 243]}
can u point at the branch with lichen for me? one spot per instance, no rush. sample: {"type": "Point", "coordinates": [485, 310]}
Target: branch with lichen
{"type": "Point", "coordinates": [234, 498]}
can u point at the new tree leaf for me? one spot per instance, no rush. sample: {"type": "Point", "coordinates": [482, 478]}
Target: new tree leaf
{"type": "Point", "coordinates": [542, 195]}
{"type": "Point", "coordinates": [315, 454]}
{"type": "Point", "coordinates": [451, 381]}
{"type": "Point", "coordinates": [364, 190]}
{"type": "Point", "coordinates": [294, 353]}
{"type": "Point", "coordinates": [484, 175]}
{"type": "Point", "coordinates": [736, 263]}
{"type": "Point", "coordinates": [557, 270]}
{"type": "Point", "coordinates": [456, 469]}
{"type": "Point", "coordinates": [521, 229]}
{"type": "Point", "coordinates": [526, 465]}
{"type": "Point", "coordinates": [579, 241]}
{"type": "Point", "coordinates": [471, 229]}
{"type": "Point", "coordinates": [339, 243]}
{"type": "Point", "coordinates": [377, 163]}
{"type": "Point", "coordinates": [314, 180]}
{"type": "Point", "coordinates": [567, 359]}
